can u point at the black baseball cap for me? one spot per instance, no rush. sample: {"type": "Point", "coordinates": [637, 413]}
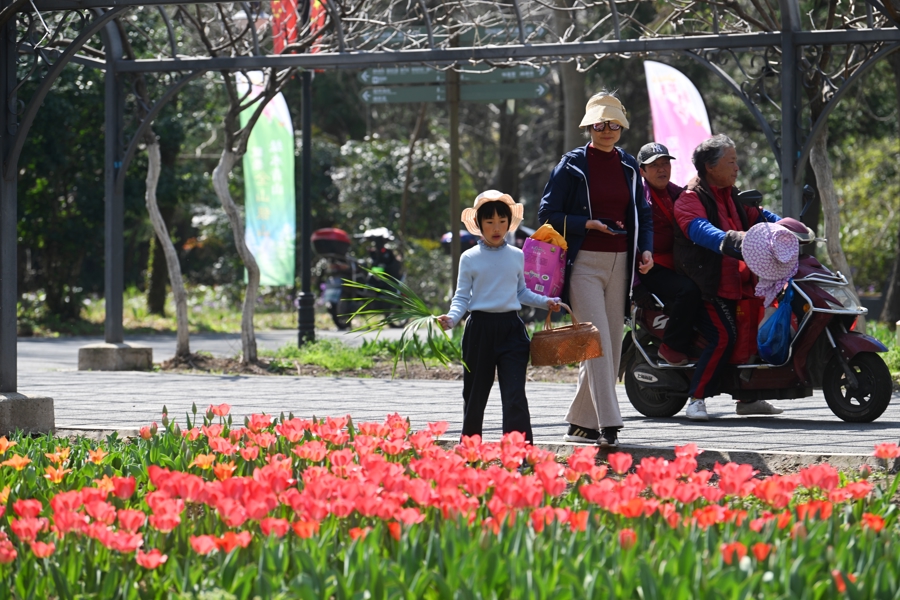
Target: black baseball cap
{"type": "Point", "coordinates": [650, 152]}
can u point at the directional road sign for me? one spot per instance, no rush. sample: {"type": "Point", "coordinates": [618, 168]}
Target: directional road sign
{"type": "Point", "coordinates": [383, 75]}
{"type": "Point", "coordinates": [502, 91]}
{"type": "Point", "coordinates": [467, 93]}
{"type": "Point", "coordinates": [413, 93]}
{"type": "Point", "coordinates": [476, 74]}
{"type": "Point", "coordinates": [483, 74]}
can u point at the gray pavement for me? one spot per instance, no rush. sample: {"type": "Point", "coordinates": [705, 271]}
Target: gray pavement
{"type": "Point", "coordinates": [108, 400]}
{"type": "Point", "coordinates": [62, 353]}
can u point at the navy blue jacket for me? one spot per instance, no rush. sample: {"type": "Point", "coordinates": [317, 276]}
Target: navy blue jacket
{"type": "Point", "coordinates": [566, 205]}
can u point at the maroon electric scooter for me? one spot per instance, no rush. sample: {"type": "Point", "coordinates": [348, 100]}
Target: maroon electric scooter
{"type": "Point", "coordinates": [825, 353]}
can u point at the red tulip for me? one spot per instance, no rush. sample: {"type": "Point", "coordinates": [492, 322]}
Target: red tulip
{"type": "Point", "coordinates": [733, 476]}
{"type": "Point", "coordinates": [761, 550]}
{"type": "Point", "coordinates": [203, 544]}
{"type": "Point", "coordinates": [305, 529]}
{"type": "Point", "coordinates": [873, 522]}
{"type": "Point", "coordinates": [231, 540]}
{"type": "Point", "coordinates": [732, 550]}
{"type": "Point", "coordinates": [887, 451]}
{"type": "Point", "coordinates": [150, 560]}
{"type": "Point", "coordinates": [220, 410]}
{"type": "Point", "coordinates": [27, 528]}
{"type": "Point", "coordinates": [123, 487]}
{"type": "Point", "coordinates": [824, 477]}
{"type": "Point", "coordinates": [839, 581]}
{"type": "Point", "coordinates": [8, 552]}
{"type": "Point", "coordinates": [28, 508]}
{"type": "Point", "coordinates": [620, 462]}
{"type": "Point", "coordinates": [627, 538]}
{"type": "Point", "coordinates": [42, 550]}
{"type": "Point", "coordinates": [273, 526]}
{"type": "Point", "coordinates": [131, 520]}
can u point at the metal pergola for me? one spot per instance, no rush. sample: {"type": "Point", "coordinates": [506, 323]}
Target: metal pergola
{"type": "Point", "coordinates": [775, 51]}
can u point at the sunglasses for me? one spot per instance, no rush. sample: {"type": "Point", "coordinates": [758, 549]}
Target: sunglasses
{"type": "Point", "coordinates": [602, 126]}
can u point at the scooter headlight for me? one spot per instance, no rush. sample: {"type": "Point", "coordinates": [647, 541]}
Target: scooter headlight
{"type": "Point", "coordinates": [842, 295]}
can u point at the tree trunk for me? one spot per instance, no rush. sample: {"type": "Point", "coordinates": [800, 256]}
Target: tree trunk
{"type": "Point", "coordinates": [404, 202]}
{"type": "Point", "coordinates": [182, 345]}
{"type": "Point", "coordinates": [818, 158]}
{"type": "Point", "coordinates": [890, 314]}
{"type": "Point", "coordinates": [157, 277]}
{"type": "Point", "coordinates": [220, 184]}
{"type": "Point", "coordinates": [508, 162]}
{"type": "Point", "coordinates": [572, 82]}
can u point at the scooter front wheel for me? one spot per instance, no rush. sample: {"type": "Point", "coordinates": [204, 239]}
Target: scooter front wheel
{"type": "Point", "coordinates": [652, 402]}
{"type": "Point", "coordinates": [871, 397]}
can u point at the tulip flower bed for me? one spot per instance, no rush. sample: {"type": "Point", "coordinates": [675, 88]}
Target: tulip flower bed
{"type": "Point", "coordinates": [293, 508]}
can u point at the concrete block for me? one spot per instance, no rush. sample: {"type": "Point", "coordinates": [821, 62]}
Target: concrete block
{"type": "Point", "coordinates": [26, 412]}
{"type": "Point", "coordinates": [115, 357]}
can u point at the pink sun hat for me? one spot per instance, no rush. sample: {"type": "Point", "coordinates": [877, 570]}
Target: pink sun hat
{"type": "Point", "coordinates": [772, 252]}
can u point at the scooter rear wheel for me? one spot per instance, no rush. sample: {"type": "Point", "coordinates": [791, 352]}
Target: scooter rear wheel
{"type": "Point", "coordinates": [651, 402]}
{"type": "Point", "coordinates": [872, 396]}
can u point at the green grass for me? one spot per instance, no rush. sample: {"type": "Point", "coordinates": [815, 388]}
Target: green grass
{"type": "Point", "coordinates": [210, 310]}
{"type": "Point", "coordinates": [329, 354]}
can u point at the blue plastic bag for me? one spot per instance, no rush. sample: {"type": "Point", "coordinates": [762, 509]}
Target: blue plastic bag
{"type": "Point", "coordinates": [774, 337]}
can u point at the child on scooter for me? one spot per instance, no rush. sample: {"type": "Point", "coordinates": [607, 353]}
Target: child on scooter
{"type": "Point", "coordinates": [491, 286]}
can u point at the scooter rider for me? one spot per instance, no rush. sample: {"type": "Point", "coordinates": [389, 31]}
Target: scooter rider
{"type": "Point", "coordinates": [708, 241]}
{"type": "Point", "coordinates": [678, 292]}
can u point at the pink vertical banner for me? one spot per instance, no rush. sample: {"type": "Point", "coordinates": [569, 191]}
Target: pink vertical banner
{"type": "Point", "coordinates": [679, 116]}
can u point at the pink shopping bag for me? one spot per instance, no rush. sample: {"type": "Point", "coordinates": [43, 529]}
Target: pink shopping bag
{"type": "Point", "coordinates": [545, 267]}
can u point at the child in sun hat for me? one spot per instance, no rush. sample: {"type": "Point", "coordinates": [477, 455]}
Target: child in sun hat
{"type": "Point", "coordinates": [491, 286]}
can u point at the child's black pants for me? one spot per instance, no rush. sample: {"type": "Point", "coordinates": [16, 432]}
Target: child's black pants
{"type": "Point", "coordinates": [495, 342]}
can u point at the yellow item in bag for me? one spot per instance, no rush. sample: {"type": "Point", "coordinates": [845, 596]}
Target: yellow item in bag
{"type": "Point", "coordinates": [546, 233]}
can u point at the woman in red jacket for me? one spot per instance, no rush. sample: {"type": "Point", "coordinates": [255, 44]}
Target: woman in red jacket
{"type": "Point", "coordinates": [708, 239]}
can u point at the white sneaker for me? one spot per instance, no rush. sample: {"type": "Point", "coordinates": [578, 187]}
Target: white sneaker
{"type": "Point", "coordinates": [760, 407]}
{"type": "Point", "coordinates": [696, 411]}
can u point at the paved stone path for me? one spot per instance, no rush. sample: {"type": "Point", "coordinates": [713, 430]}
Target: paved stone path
{"type": "Point", "coordinates": [128, 400]}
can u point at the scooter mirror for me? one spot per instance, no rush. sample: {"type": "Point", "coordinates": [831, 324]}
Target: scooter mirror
{"type": "Point", "coordinates": [750, 198]}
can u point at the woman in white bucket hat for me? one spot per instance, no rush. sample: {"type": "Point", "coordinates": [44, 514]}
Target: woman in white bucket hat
{"type": "Point", "coordinates": [491, 287]}
{"type": "Point", "coordinates": [595, 195]}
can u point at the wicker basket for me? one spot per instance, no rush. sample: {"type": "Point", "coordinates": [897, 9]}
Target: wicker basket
{"type": "Point", "coordinates": [564, 345]}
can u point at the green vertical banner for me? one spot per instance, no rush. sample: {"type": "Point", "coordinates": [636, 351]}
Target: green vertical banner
{"type": "Point", "coordinates": [269, 201]}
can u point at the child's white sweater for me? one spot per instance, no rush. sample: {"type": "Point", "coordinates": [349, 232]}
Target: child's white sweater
{"type": "Point", "coordinates": [492, 280]}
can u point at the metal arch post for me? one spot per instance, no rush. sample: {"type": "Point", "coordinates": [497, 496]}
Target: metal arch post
{"type": "Point", "coordinates": [170, 31]}
{"type": "Point", "coordinates": [114, 210]}
{"type": "Point", "coordinates": [766, 128]}
{"type": "Point", "coordinates": [8, 217]}
{"type": "Point", "coordinates": [10, 10]}
{"type": "Point", "coordinates": [428, 27]}
{"type": "Point", "coordinates": [53, 72]}
{"type": "Point", "coordinates": [519, 21]}
{"type": "Point", "coordinates": [832, 103]}
{"type": "Point", "coordinates": [306, 311]}
{"type": "Point", "coordinates": [790, 109]}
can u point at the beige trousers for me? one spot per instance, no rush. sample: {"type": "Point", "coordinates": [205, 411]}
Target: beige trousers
{"type": "Point", "coordinates": [597, 288]}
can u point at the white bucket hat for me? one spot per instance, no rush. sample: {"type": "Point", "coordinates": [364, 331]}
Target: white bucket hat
{"type": "Point", "coordinates": [469, 215]}
{"type": "Point", "coordinates": [604, 107]}
{"type": "Point", "coordinates": [772, 252]}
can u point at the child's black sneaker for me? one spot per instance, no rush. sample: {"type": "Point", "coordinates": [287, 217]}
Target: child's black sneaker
{"type": "Point", "coordinates": [609, 437]}
{"type": "Point", "coordinates": [582, 435]}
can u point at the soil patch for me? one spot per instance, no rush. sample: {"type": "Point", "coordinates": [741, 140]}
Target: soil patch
{"type": "Point", "coordinates": [201, 363]}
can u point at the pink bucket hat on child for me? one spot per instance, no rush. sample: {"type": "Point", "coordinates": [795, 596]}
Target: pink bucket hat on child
{"type": "Point", "coordinates": [772, 252]}
{"type": "Point", "coordinates": [469, 214]}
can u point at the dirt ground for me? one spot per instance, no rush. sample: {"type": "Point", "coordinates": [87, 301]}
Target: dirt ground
{"type": "Point", "coordinates": [199, 363]}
